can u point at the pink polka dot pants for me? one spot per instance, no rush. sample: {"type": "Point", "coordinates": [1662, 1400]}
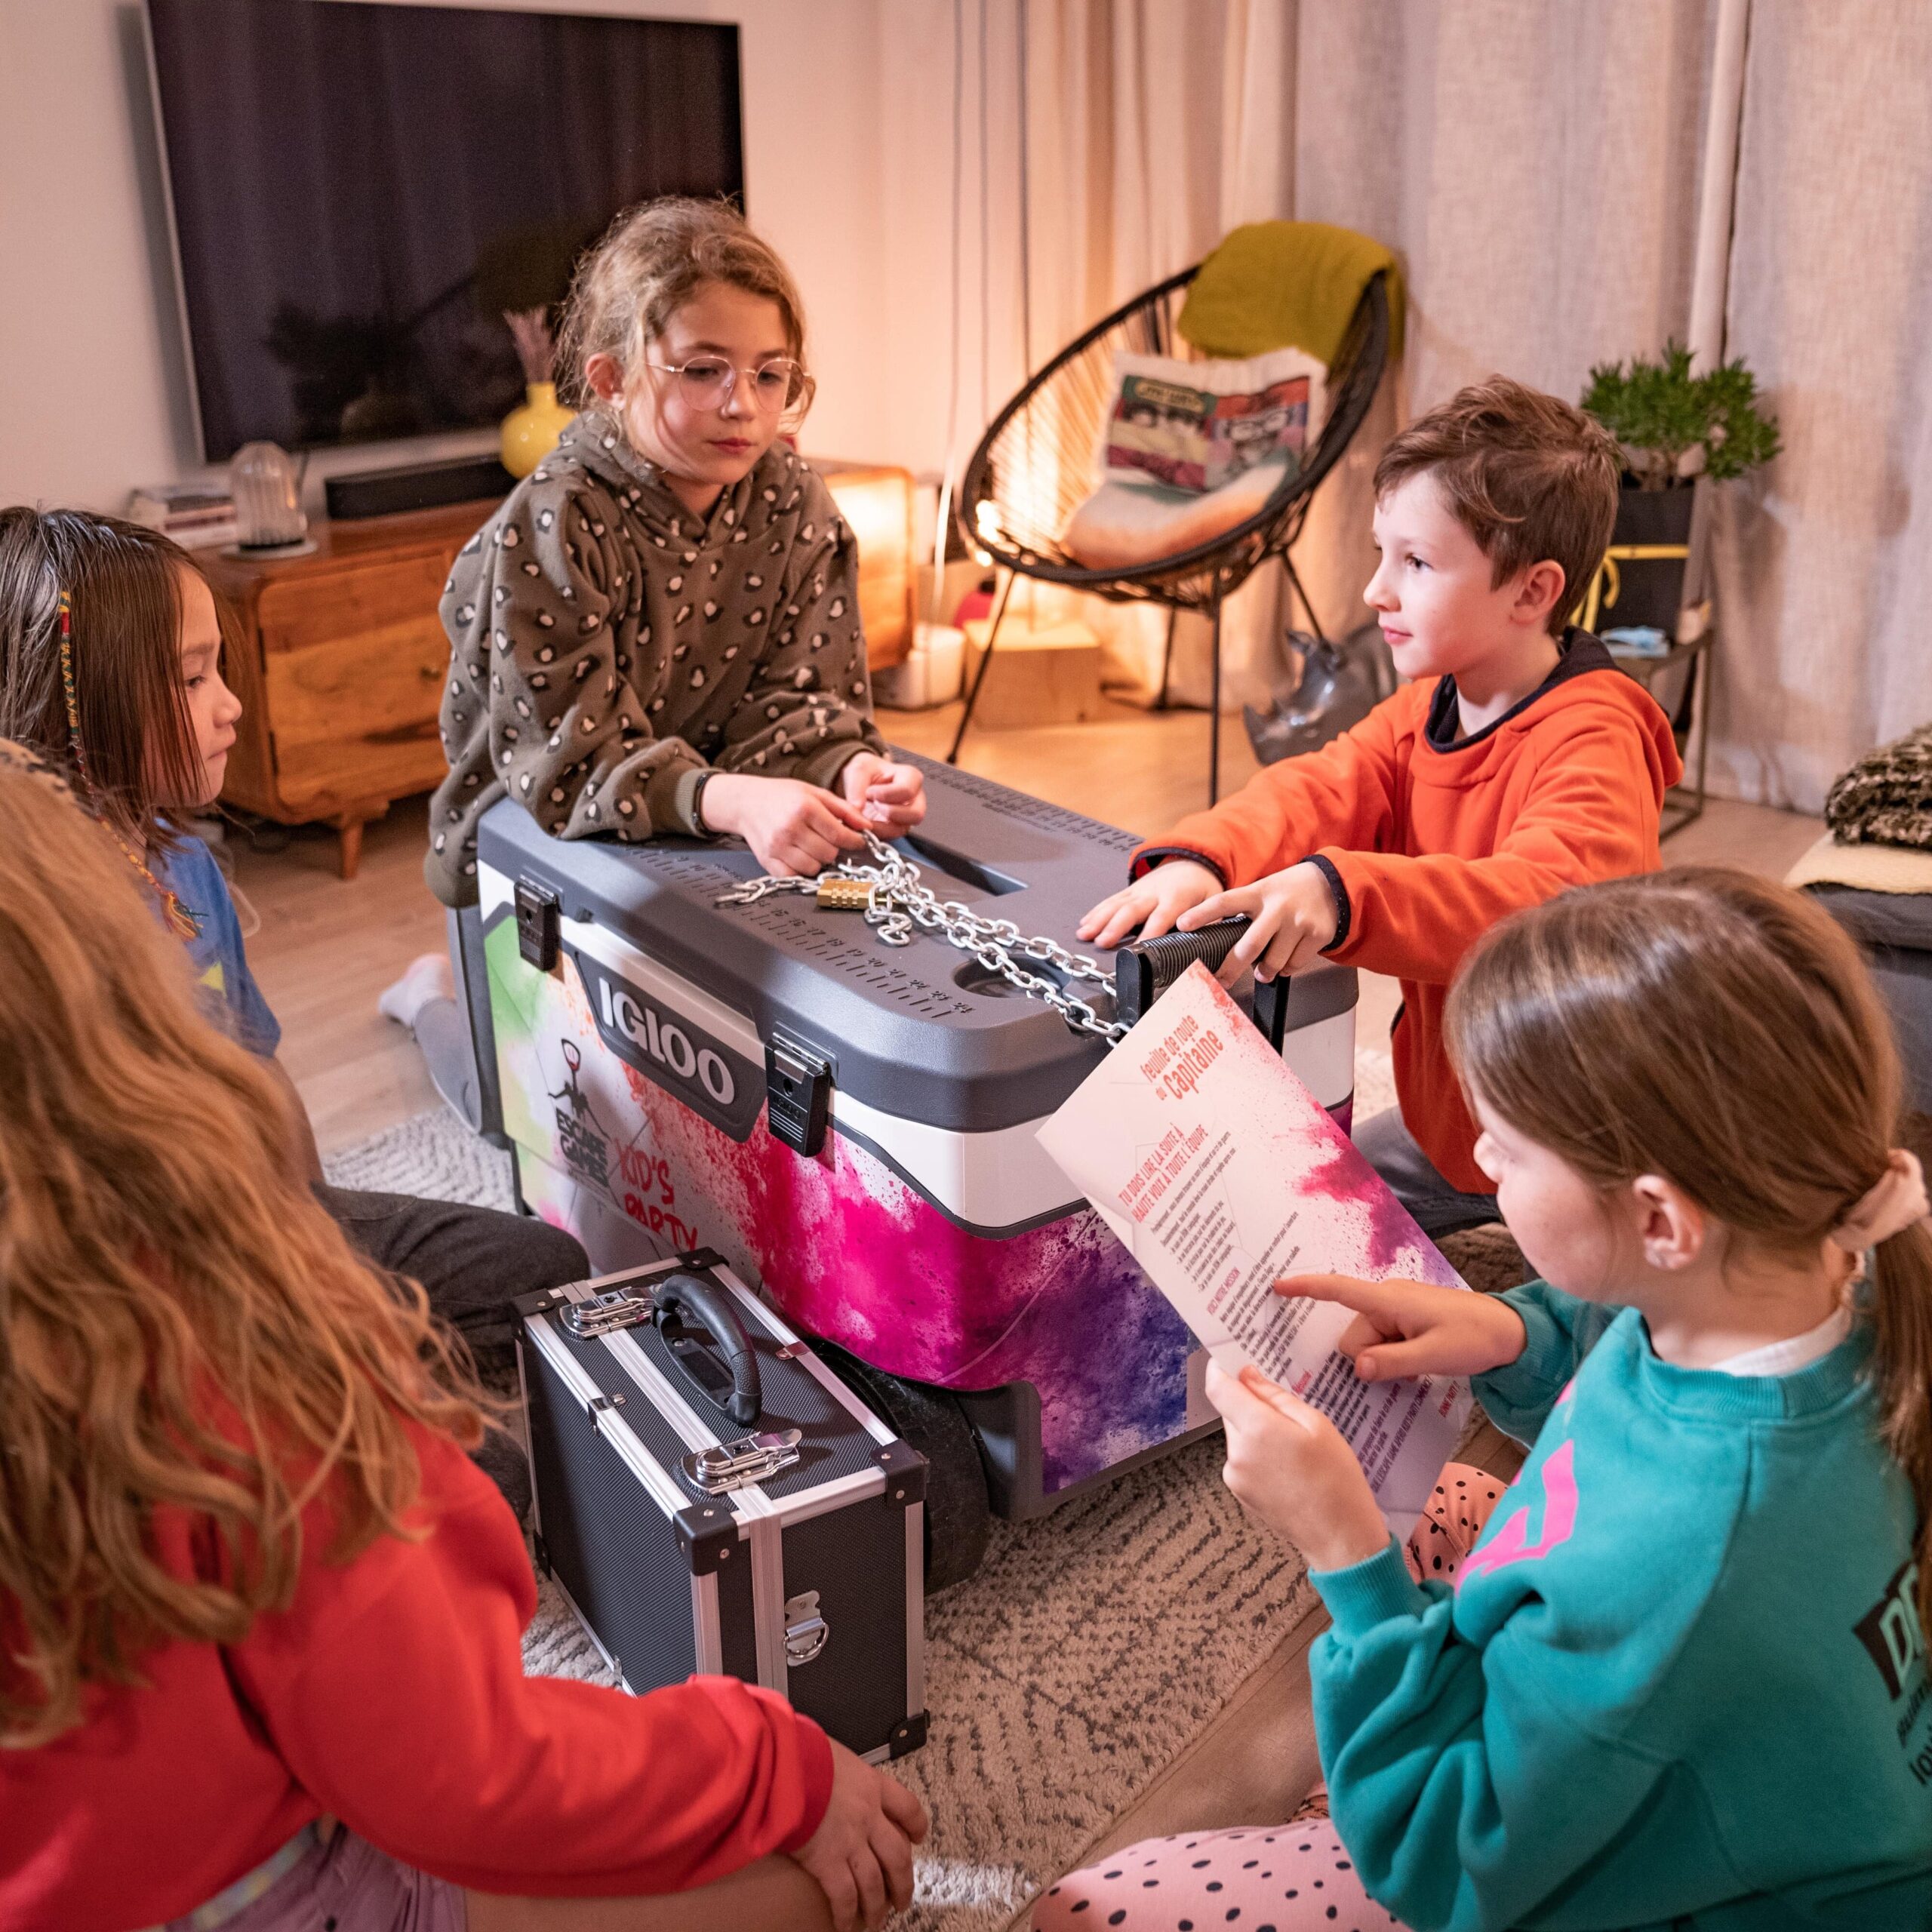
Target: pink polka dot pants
{"type": "Point", "coordinates": [1292, 1877]}
{"type": "Point", "coordinates": [1288, 1878]}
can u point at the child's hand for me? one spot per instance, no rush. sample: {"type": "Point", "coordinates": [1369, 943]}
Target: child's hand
{"type": "Point", "coordinates": [891, 797]}
{"type": "Point", "coordinates": [1409, 1328]}
{"type": "Point", "coordinates": [794, 829]}
{"type": "Point", "coordinates": [1288, 1467]}
{"type": "Point", "coordinates": [1292, 916]}
{"type": "Point", "coordinates": [862, 1853]}
{"type": "Point", "coordinates": [1153, 903]}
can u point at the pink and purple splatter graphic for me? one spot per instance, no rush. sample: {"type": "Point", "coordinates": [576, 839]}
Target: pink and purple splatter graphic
{"type": "Point", "coordinates": [846, 1249]}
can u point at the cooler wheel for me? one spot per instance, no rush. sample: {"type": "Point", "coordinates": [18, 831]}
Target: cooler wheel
{"type": "Point", "coordinates": [958, 1518]}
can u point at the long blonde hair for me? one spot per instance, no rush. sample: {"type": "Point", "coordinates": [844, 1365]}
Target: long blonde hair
{"type": "Point", "coordinates": [1723, 1032]}
{"type": "Point", "coordinates": [182, 1327]}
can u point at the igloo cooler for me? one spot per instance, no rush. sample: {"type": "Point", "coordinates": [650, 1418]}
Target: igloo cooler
{"type": "Point", "coordinates": [851, 1125]}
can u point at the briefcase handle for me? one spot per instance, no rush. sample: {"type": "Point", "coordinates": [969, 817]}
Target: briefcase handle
{"type": "Point", "coordinates": [711, 1308]}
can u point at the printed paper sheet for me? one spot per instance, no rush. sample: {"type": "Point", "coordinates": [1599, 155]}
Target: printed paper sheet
{"type": "Point", "coordinates": [1222, 1173]}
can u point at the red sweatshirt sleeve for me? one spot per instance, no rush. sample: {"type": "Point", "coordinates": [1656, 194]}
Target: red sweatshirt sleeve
{"type": "Point", "coordinates": [1342, 795]}
{"type": "Point", "coordinates": [393, 1689]}
{"type": "Point", "coordinates": [1589, 812]}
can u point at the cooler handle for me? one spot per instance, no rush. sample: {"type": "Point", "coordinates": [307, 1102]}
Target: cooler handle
{"type": "Point", "coordinates": [712, 1307]}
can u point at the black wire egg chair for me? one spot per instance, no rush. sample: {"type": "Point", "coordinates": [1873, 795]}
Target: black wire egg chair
{"type": "Point", "coordinates": [1053, 426]}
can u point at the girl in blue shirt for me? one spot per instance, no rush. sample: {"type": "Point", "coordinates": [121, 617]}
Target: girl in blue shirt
{"type": "Point", "coordinates": [111, 646]}
{"type": "Point", "coordinates": [1680, 1680]}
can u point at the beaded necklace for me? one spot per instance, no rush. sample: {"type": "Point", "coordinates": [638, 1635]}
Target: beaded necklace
{"type": "Point", "coordinates": [182, 923]}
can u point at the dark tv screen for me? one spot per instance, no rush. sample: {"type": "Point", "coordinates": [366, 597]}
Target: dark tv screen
{"type": "Point", "coordinates": [361, 191]}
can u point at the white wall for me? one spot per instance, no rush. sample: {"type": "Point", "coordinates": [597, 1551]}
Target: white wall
{"type": "Point", "coordinates": [92, 391]}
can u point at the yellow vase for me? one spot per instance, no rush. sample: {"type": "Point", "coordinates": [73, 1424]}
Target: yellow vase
{"type": "Point", "coordinates": [531, 432]}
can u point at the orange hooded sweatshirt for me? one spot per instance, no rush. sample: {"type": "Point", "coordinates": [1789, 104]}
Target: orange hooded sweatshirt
{"type": "Point", "coordinates": [1427, 839]}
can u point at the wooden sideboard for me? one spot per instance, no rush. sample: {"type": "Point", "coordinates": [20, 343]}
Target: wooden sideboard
{"type": "Point", "coordinates": [342, 657]}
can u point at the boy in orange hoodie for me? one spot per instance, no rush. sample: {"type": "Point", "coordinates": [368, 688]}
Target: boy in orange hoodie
{"type": "Point", "coordinates": [1518, 761]}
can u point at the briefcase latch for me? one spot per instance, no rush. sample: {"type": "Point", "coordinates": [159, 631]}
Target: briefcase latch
{"type": "Point", "coordinates": [605, 1313]}
{"type": "Point", "coordinates": [806, 1633]}
{"type": "Point", "coordinates": [732, 1466]}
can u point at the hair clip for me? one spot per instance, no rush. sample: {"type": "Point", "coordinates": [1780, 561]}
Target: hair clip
{"type": "Point", "coordinates": [66, 618]}
{"type": "Point", "coordinates": [182, 923]}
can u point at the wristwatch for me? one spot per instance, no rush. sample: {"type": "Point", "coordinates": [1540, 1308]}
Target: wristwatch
{"type": "Point", "coordinates": [704, 778]}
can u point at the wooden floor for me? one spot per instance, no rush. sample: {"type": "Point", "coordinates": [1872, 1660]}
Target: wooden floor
{"type": "Point", "coordinates": [325, 948]}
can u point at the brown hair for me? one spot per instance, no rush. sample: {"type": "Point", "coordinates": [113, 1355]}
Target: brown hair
{"type": "Point", "coordinates": [1529, 478]}
{"type": "Point", "coordinates": [1722, 1031]}
{"type": "Point", "coordinates": [182, 1328]}
{"type": "Point", "coordinates": [652, 260]}
{"type": "Point", "coordinates": [124, 582]}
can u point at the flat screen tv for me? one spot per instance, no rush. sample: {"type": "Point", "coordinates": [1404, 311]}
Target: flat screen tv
{"type": "Point", "coordinates": [360, 191]}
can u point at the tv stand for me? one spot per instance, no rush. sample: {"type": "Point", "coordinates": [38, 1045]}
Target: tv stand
{"type": "Point", "coordinates": [342, 658]}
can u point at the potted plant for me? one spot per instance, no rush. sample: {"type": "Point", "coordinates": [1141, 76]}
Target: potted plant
{"type": "Point", "coordinates": [1672, 427]}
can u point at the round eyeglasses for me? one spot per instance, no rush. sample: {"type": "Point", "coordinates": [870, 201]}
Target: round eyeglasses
{"type": "Point", "coordinates": [709, 382]}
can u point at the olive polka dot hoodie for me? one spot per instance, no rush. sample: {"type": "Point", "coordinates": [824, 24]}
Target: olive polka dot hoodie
{"type": "Point", "coordinates": [609, 645]}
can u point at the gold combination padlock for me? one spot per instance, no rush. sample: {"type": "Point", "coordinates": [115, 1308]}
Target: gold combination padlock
{"type": "Point", "coordinates": [843, 895]}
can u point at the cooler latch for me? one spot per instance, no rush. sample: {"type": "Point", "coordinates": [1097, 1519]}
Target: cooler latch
{"type": "Point", "coordinates": [538, 909]}
{"type": "Point", "coordinates": [797, 1086]}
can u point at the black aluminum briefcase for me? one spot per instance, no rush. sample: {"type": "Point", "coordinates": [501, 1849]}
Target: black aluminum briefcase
{"type": "Point", "coordinates": [710, 1497]}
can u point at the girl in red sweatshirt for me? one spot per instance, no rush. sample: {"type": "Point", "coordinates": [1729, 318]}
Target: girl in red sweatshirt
{"type": "Point", "coordinates": [259, 1612]}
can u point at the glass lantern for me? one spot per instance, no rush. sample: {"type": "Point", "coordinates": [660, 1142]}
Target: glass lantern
{"type": "Point", "coordinates": [268, 505]}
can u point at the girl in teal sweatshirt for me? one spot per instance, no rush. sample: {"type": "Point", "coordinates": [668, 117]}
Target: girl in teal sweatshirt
{"type": "Point", "coordinates": [1680, 1680]}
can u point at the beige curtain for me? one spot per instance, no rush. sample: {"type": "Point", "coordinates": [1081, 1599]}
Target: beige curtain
{"type": "Point", "coordinates": [1536, 163]}
{"type": "Point", "coordinates": [1824, 563]}
{"type": "Point", "coordinates": [1184, 112]}
{"type": "Point", "coordinates": [1152, 126]}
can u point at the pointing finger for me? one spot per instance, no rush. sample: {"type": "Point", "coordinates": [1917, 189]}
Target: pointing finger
{"type": "Point", "coordinates": [1348, 1290]}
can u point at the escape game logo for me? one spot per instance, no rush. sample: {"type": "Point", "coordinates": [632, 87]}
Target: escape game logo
{"type": "Point", "coordinates": [584, 1148]}
{"type": "Point", "coordinates": [1895, 1639]}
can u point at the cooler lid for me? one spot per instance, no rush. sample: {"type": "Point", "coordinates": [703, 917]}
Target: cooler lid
{"type": "Point", "coordinates": [924, 1032]}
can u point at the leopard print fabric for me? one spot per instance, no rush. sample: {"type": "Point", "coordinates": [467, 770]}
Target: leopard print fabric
{"type": "Point", "coordinates": [609, 645]}
{"type": "Point", "coordinates": [1886, 797]}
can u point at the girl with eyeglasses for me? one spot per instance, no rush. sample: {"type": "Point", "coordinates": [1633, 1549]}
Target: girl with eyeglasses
{"type": "Point", "coordinates": [659, 632]}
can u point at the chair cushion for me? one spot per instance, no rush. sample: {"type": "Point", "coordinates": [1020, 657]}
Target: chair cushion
{"type": "Point", "coordinates": [1191, 450]}
{"type": "Point", "coordinates": [1274, 283]}
{"type": "Point", "coordinates": [1902, 870]}
{"type": "Point", "coordinates": [1196, 426]}
{"type": "Point", "coordinates": [1127, 526]}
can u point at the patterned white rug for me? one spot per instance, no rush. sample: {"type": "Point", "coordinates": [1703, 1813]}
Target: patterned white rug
{"type": "Point", "coordinates": [1090, 1648]}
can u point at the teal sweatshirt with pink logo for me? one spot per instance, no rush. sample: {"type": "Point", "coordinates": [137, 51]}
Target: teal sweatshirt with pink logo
{"type": "Point", "coordinates": [1679, 1682]}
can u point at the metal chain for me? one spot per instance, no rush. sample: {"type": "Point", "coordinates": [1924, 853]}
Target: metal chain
{"type": "Point", "coordinates": [897, 903]}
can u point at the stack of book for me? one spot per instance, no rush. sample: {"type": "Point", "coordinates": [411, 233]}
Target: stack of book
{"type": "Point", "coordinates": [197, 516]}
